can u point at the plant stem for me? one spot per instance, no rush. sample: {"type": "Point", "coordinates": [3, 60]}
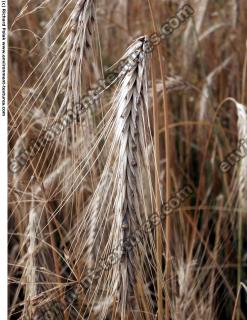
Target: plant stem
{"type": "Point", "coordinates": [168, 180]}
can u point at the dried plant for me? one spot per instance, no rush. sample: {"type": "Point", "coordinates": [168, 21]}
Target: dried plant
{"type": "Point", "coordinates": [89, 237]}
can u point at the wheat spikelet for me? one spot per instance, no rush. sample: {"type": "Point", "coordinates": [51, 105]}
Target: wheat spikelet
{"type": "Point", "coordinates": [31, 288]}
{"type": "Point", "coordinates": [38, 256]}
{"type": "Point", "coordinates": [40, 295]}
{"type": "Point", "coordinates": [242, 136]}
{"type": "Point", "coordinates": [132, 100]}
{"type": "Point", "coordinates": [191, 301]}
{"type": "Point", "coordinates": [78, 49]}
{"type": "Point", "coordinates": [131, 103]}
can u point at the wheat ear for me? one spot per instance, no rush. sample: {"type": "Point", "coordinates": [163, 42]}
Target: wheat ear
{"type": "Point", "coordinates": [124, 209]}
{"type": "Point", "coordinates": [78, 50]}
{"type": "Point", "coordinates": [241, 183]}
{"type": "Point", "coordinates": [131, 103]}
{"type": "Point", "coordinates": [36, 255]}
{"type": "Point", "coordinates": [242, 136]}
{"type": "Point", "coordinates": [31, 288]}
